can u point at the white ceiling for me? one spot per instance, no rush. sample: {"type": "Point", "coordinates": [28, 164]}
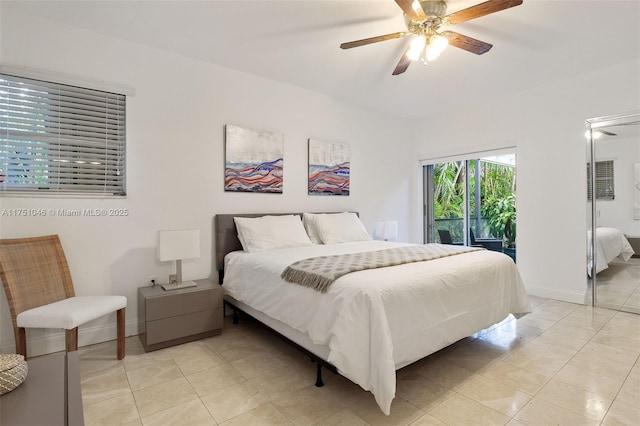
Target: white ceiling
{"type": "Point", "coordinates": [296, 42]}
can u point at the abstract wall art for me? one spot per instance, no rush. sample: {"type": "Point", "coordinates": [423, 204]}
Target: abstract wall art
{"type": "Point", "coordinates": [329, 168]}
{"type": "Point", "coordinates": [253, 160]}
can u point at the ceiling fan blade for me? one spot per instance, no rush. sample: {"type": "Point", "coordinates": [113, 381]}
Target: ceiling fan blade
{"type": "Point", "coordinates": [403, 63]}
{"type": "Point", "coordinates": [370, 40]}
{"type": "Point", "coordinates": [466, 43]}
{"type": "Point", "coordinates": [605, 132]}
{"type": "Point", "coordinates": [481, 9]}
{"type": "Point", "coordinates": [410, 11]}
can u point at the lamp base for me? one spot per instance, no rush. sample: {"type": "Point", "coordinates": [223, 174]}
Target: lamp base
{"type": "Point", "coordinates": [178, 286]}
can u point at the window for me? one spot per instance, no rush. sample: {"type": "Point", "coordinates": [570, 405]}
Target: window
{"type": "Point", "coordinates": [603, 180]}
{"type": "Point", "coordinates": [57, 138]}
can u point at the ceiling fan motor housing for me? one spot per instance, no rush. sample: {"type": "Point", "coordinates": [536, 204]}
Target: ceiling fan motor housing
{"type": "Point", "coordinates": [434, 11]}
{"type": "Point", "coordinates": [434, 7]}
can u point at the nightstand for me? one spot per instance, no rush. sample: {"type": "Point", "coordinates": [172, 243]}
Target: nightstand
{"type": "Point", "coordinates": [168, 318]}
{"type": "Point", "coordinates": [635, 245]}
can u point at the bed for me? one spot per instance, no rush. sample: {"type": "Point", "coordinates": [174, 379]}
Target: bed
{"type": "Point", "coordinates": [611, 245]}
{"type": "Point", "coordinates": [372, 322]}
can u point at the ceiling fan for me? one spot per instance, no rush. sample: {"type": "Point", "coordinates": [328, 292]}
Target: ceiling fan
{"type": "Point", "coordinates": [424, 19]}
{"type": "Point", "coordinates": [600, 132]}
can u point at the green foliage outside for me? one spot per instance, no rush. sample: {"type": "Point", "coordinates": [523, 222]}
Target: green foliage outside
{"type": "Point", "coordinates": [448, 190]}
{"type": "Point", "coordinates": [502, 218]}
{"type": "Point", "coordinates": [497, 198]}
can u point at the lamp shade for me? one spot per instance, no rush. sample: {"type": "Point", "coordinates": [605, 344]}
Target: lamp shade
{"type": "Point", "coordinates": [387, 230]}
{"type": "Point", "coordinates": [178, 244]}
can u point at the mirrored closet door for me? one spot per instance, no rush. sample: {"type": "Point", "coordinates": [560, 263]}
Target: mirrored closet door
{"type": "Point", "coordinates": [613, 222]}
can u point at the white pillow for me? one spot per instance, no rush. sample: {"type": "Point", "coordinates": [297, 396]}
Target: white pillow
{"type": "Point", "coordinates": [309, 222]}
{"type": "Point", "coordinates": [270, 232]}
{"type": "Point", "coordinates": [340, 228]}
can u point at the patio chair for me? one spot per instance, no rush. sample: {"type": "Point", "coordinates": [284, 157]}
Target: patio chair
{"type": "Point", "coordinates": [488, 243]}
{"type": "Point", "coordinates": [445, 236]}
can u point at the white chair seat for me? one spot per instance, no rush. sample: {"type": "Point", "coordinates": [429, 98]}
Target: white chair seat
{"type": "Point", "coordinates": [70, 313]}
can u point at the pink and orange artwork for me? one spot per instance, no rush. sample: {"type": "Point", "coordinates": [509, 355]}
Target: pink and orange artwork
{"type": "Point", "coordinates": [253, 160]}
{"type": "Point", "coordinates": [329, 168]}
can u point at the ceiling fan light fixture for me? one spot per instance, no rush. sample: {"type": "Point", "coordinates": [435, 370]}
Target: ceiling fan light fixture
{"type": "Point", "coordinates": [592, 134]}
{"type": "Point", "coordinates": [435, 47]}
{"type": "Point", "coordinates": [440, 43]}
{"type": "Point", "coordinates": [431, 53]}
{"type": "Point", "coordinates": [416, 48]}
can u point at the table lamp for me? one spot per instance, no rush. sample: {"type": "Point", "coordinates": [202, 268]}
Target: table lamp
{"type": "Point", "coordinates": [387, 230]}
{"type": "Point", "coordinates": [178, 245]}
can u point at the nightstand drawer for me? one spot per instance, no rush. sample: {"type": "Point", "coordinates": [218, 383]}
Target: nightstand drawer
{"type": "Point", "coordinates": [167, 318]}
{"type": "Point", "coordinates": [181, 304]}
{"type": "Point", "coordinates": [183, 325]}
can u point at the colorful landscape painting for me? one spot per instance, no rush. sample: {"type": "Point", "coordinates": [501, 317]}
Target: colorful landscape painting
{"type": "Point", "coordinates": [253, 160]}
{"type": "Point", "coordinates": [329, 168]}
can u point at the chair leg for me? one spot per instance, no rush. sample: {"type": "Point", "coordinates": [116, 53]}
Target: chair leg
{"type": "Point", "coordinates": [21, 341]}
{"type": "Point", "coordinates": [71, 339]}
{"type": "Point", "coordinates": [120, 325]}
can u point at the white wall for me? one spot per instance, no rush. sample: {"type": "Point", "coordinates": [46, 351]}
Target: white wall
{"type": "Point", "coordinates": [175, 163]}
{"type": "Point", "coordinates": [618, 213]}
{"type": "Point", "coordinates": [546, 124]}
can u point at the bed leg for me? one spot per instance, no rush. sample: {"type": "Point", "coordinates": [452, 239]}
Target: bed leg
{"type": "Point", "coordinates": [319, 382]}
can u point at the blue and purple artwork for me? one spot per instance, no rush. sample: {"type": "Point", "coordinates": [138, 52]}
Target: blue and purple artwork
{"type": "Point", "coordinates": [253, 160]}
{"type": "Point", "coordinates": [329, 168]}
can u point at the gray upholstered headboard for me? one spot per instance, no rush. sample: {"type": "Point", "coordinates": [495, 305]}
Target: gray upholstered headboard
{"type": "Point", "coordinates": [226, 236]}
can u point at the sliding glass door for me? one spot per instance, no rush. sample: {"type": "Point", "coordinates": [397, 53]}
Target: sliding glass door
{"type": "Point", "coordinates": [446, 201]}
{"type": "Point", "coordinates": [471, 202]}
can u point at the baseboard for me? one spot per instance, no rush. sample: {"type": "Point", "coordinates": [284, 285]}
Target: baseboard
{"type": "Point", "coordinates": [49, 341]}
{"type": "Point", "coordinates": [551, 293]}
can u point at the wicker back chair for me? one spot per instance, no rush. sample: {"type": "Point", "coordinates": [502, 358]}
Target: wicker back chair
{"type": "Point", "coordinates": [40, 293]}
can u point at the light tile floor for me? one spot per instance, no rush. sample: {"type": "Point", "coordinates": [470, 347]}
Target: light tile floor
{"type": "Point", "coordinates": [563, 364]}
{"type": "Point", "coordinates": [619, 286]}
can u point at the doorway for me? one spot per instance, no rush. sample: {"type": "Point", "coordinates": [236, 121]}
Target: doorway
{"type": "Point", "coordinates": [472, 202]}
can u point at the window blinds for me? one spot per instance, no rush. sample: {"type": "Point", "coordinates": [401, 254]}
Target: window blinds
{"type": "Point", "coordinates": [604, 180]}
{"type": "Point", "coordinates": [56, 138]}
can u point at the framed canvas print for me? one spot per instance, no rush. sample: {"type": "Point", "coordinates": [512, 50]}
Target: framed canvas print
{"type": "Point", "coordinates": [329, 168]}
{"type": "Point", "coordinates": [253, 160]}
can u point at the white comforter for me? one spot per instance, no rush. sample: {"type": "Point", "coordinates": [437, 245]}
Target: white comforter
{"type": "Point", "coordinates": [611, 244]}
{"type": "Point", "coordinates": [377, 321]}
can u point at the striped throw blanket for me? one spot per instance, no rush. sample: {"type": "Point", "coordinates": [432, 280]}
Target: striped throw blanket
{"type": "Point", "coordinates": [320, 272]}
